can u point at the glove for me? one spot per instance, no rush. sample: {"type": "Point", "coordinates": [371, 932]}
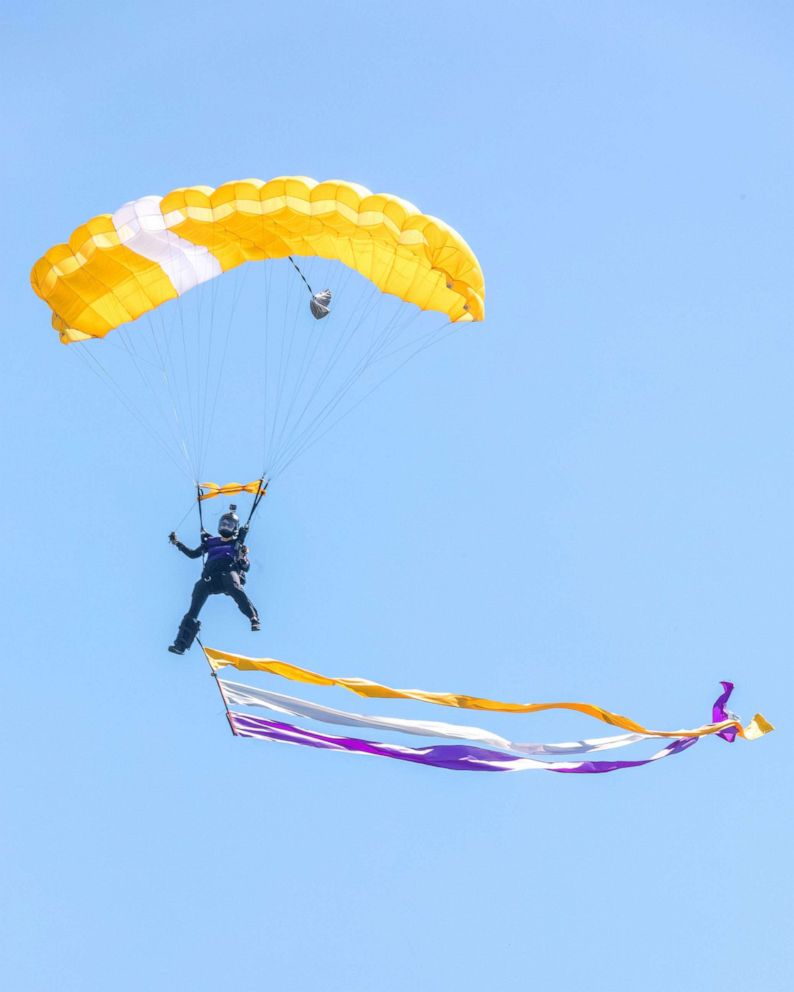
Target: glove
{"type": "Point", "coordinates": [172, 537]}
{"type": "Point", "coordinates": [205, 535]}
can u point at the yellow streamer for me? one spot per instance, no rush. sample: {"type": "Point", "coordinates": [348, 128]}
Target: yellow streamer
{"type": "Point", "coordinates": [374, 690]}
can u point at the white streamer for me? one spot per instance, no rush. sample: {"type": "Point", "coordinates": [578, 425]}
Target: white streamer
{"type": "Point", "coordinates": [237, 694]}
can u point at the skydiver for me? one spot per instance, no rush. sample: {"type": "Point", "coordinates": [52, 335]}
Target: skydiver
{"type": "Point", "coordinates": [224, 572]}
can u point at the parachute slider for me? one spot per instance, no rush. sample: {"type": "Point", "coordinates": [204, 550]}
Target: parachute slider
{"type": "Point", "coordinates": [318, 304]}
{"type": "Point", "coordinates": [209, 490]}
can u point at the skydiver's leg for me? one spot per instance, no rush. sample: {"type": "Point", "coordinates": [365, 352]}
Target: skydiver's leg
{"type": "Point", "coordinates": [233, 587]}
{"type": "Point", "coordinates": [201, 592]}
{"type": "Point", "coordinates": [190, 626]}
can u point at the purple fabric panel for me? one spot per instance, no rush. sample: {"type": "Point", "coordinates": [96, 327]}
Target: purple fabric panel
{"type": "Point", "coordinates": [597, 767]}
{"type": "Point", "coordinates": [452, 756]}
{"type": "Point", "coordinates": [456, 757]}
{"type": "Point", "coordinates": [720, 713]}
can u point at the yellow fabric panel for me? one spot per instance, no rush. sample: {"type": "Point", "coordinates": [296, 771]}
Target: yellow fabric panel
{"type": "Point", "coordinates": [113, 286]}
{"type": "Point", "coordinates": [75, 280]}
{"type": "Point", "coordinates": [230, 489]}
{"type": "Point", "coordinates": [94, 283]}
{"type": "Point", "coordinates": [374, 690]}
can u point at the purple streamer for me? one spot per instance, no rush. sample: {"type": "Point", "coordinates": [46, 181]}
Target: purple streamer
{"type": "Point", "coordinates": [720, 713]}
{"type": "Point", "coordinates": [455, 757]}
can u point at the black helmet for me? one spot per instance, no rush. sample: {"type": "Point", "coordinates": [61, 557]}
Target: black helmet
{"type": "Point", "coordinates": [229, 522]}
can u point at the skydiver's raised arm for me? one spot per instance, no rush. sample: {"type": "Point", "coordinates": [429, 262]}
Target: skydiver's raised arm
{"type": "Point", "coordinates": [190, 552]}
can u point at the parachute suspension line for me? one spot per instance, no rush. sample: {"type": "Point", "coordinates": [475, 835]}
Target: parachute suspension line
{"type": "Point", "coordinates": [283, 375]}
{"type": "Point", "coordinates": [391, 332]}
{"type": "Point", "coordinates": [279, 373]}
{"type": "Point", "coordinates": [330, 361]}
{"type": "Point", "coordinates": [185, 515]}
{"type": "Point", "coordinates": [350, 378]}
{"type": "Point", "coordinates": [317, 437]}
{"type": "Point", "coordinates": [129, 346]}
{"type": "Point", "coordinates": [110, 342]}
{"type": "Point", "coordinates": [169, 379]}
{"type": "Point", "coordinates": [312, 341]}
{"type": "Point", "coordinates": [192, 336]}
{"type": "Point", "coordinates": [184, 418]}
{"type": "Point", "coordinates": [343, 341]}
{"type": "Point", "coordinates": [364, 307]}
{"type": "Point", "coordinates": [266, 269]}
{"type": "Point", "coordinates": [98, 369]}
{"type": "Point", "coordinates": [314, 430]}
{"type": "Point", "coordinates": [182, 402]}
{"type": "Point", "coordinates": [192, 367]}
{"type": "Point", "coordinates": [204, 392]}
{"type": "Point", "coordinates": [408, 344]}
{"type": "Point", "coordinates": [289, 331]}
{"type": "Point", "coordinates": [192, 393]}
{"type": "Point", "coordinates": [206, 421]}
{"type": "Point", "coordinates": [318, 306]}
{"type": "Point", "coordinates": [219, 378]}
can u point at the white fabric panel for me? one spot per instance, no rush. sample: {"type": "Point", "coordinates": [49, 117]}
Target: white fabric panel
{"type": "Point", "coordinates": [142, 228]}
{"type": "Point", "coordinates": [237, 694]}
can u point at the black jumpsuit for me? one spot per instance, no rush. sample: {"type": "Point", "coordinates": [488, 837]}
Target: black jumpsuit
{"type": "Point", "coordinates": [222, 573]}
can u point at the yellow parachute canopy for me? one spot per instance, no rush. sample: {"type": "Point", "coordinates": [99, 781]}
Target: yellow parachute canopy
{"type": "Point", "coordinates": [119, 266]}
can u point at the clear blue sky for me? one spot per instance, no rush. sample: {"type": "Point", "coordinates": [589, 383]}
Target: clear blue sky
{"type": "Point", "coordinates": [589, 497]}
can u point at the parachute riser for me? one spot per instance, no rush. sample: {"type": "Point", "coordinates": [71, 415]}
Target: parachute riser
{"type": "Point", "coordinates": [257, 500]}
{"type": "Point", "coordinates": [201, 520]}
{"type": "Point", "coordinates": [198, 503]}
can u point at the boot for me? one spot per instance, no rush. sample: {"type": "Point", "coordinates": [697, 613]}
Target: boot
{"type": "Point", "coordinates": [185, 636]}
{"type": "Point", "coordinates": [255, 624]}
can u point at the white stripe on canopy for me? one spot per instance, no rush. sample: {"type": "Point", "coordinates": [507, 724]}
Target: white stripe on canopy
{"type": "Point", "coordinates": [142, 228]}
